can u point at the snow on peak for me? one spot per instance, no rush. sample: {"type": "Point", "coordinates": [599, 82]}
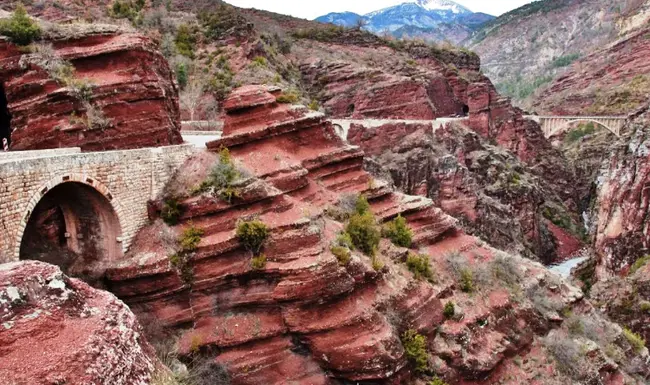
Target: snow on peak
{"type": "Point", "coordinates": [441, 5]}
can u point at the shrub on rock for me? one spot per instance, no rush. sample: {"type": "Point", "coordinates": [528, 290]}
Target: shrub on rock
{"type": "Point", "coordinates": [253, 235]}
{"type": "Point", "coordinates": [415, 347]}
{"type": "Point", "coordinates": [364, 232]}
{"type": "Point", "coordinates": [420, 266]}
{"type": "Point", "coordinates": [398, 232]}
{"type": "Point", "coordinates": [20, 29]}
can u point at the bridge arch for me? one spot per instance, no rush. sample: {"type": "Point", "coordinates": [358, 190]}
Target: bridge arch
{"type": "Point", "coordinates": [567, 125]}
{"type": "Point", "coordinates": [73, 221]}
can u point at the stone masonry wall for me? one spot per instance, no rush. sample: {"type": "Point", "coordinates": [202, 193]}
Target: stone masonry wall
{"type": "Point", "coordinates": [128, 179]}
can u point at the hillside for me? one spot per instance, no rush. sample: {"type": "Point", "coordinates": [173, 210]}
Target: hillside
{"type": "Point", "coordinates": [527, 48]}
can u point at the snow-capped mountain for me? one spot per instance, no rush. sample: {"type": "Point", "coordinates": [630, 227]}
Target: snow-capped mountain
{"type": "Point", "coordinates": [429, 19]}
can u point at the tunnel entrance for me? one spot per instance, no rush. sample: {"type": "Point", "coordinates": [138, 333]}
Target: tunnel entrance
{"type": "Point", "coordinates": [5, 117]}
{"type": "Point", "coordinates": [465, 110]}
{"type": "Point", "coordinates": [75, 227]}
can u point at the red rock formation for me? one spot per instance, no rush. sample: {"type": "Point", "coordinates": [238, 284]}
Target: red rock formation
{"type": "Point", "coordinates": [487, 188]}
{"type": "Point", "coordinates": [620, 217]}
{"type": "Point", "coordinates": [303, 317]}
{"type": "Point", "coordinates": [58, 330]}
{"type": "Point", "coordinates": [132, 87]}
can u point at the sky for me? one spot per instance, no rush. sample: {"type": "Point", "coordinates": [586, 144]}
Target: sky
{"type": "Point", "coordinates": [309, 9]}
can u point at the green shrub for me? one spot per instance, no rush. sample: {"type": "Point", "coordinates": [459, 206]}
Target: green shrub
{"type": "Point", "coordinates": [398, 232]}
{"type": "Point", "coordinates": [466, 280]}
{"type": "Point", "coordinates": [644, 306]}
{"type": "Point", "coordinates": [364, 232]}
{"type": "Point", "coordinates": [343, 254]}
{"type": "Point", "coordinates": [259, 61]}
{"type": "Point", "coordinates": [639, 263]}
{"type": "Point", "coordinates": [259, 262]}
{"type": "Point", "coordinates": [361, 205]}
{"type": "Point", "coordinates": [415, 347]}
{"type": "Point", "coordinates": [420, 266]}
{"type": "Point", "coordinates": [181, 75]}
{"type": "Point", "coordinates": [253, 235]}
{"type": "Point", "coordinates": [637, 342]}
{"type": "Point", "coordinates": [287, 98]}
{"type": "Point", "coordinates": [566, 60]}
{"type": "Point", "coordinates": [437, 381]}
{"type": "Point", "coordinates": [186, 38]}
{"type": "Point", "coordinates": [450, 310]}
{"type": "Point", "coordinates": [580, 132]}
{"type": "Point", "coordinates": [221, 178]}
{"type": "Point", "coordinates": [313, 105]}
{"type": "Point", "coordinates": [377, 264]}
{"type": "Point", "coordinates": [19, 28]}
{"type": "Point", "coordinates": [171, 211]}
{"type": "Point", "coordinates": [190, 239]}
{"type": "Point", "coordinates": [344, 240]}
{"type": "Point", "coordinates": [123, 10]}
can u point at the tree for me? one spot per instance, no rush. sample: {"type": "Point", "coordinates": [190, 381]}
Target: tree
{"type": "Point", "coordinates": [360, 23]}
{"type": "Point", "coordinates": [191, 97]}
{"type": "Point", "coordinates": [20, 29]}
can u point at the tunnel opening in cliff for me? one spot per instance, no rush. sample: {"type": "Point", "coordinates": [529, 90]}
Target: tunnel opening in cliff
{"type": "Point", "coordinates": [5, 116]}
{"type": "Point", "coordinates": [75, 227]}
{"type": "Point", "coordinates": [465, 110]}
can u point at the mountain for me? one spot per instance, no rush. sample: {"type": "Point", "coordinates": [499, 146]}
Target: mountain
{"type": "Point", "coordinates": [523, 50]}
{"type": "Point", "coordinates": [431, 20]}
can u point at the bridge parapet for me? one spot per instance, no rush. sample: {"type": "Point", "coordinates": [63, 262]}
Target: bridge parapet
{"type": "Point", "coordinates": [128, 179]}
{"type": "Point", "coordinates": [343, 125]}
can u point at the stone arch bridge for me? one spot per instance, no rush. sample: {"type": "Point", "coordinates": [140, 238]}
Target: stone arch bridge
{"type": "Point", "coordinates": [554, 125]}
{"type": "Point", "coordinates": [93, 203]}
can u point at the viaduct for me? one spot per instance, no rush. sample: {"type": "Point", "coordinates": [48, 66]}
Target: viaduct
{"type": "Point", "coordinates": [91, 203]}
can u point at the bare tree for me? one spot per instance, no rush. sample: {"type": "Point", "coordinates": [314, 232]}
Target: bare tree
{"type": "Point", "coordinates": [191, 97]}
{"type": "Point", "coordinates": [360, 23]}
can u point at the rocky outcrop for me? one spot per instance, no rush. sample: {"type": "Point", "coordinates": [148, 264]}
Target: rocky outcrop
{"type": "Point", "coordinates": [304, 317]}
{"type": "Point", "coordinates": [90, 86]}
{"type": "Point", "coordinates": [57, 330]}
{"type": "Point", "coordinates": [488, 189]}
{"type": "Point", "coordinates": [621, 208]}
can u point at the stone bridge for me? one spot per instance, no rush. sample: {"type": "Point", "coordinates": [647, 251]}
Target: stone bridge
{"type": "Point", "coordinates": [342, 126]}
{"type": "Point", "coordinates": [92, 204]}
{"type": "Point", "coordinates": [554, 125]}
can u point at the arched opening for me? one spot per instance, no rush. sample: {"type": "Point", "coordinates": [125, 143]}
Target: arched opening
{"type": "Point", "coordinates": [465, 110]}
{"type": "Point", "coordinates": [5, 117]}
{"type": "Point", "coordinates": [75, 227]}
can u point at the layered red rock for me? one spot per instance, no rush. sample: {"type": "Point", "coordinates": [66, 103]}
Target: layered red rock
{"type": "Point", "coordinates": [60, 330]}
{"type": "Point", "coordinates": [131, 84]}
{"type": "Point", "coordinates": [303, 317]}
{"type": "Point", "coordinates": [622, 204]}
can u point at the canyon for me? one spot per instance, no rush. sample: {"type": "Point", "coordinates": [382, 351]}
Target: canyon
{"type": "Point", "coordinates": [370, 210]}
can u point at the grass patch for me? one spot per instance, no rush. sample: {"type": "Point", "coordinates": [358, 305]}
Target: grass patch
{"type": "Point", "coordinates": [258, 262]}
{"type": "Point", "coordinates": [637, 342]}
{"type": "Point", "coordinates": [639, 263]}
{"type": "Point", "coordinates": [190, 239]}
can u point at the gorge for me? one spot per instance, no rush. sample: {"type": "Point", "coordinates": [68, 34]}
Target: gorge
{"type": "Point", "coordinates": [367, 210]}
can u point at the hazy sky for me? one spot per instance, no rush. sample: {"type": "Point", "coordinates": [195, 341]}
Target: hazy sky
{"type": "Point", "coordinates": [310, 9]}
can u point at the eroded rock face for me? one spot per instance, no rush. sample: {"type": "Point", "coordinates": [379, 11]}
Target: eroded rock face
{"type": "Point", "coordinates": [132, 102]}
{"type": "Point", "coordinates": [620, 216]}
{"type": "Point", "coordinates": [306, 318]}
{"type": "Point", "coordinates": [486, 187]}
{"type": "Point", "coordinates": [57, 330]}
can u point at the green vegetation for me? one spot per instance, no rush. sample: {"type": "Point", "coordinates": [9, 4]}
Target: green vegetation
{"type": "Point", "coordinates": [19, 28]}
{"type": "Point", "coordinates": [190, 239]}
{"type": "Point", "coordinates": [222, 178]}
{"type": "Point", "coordinates": [341, 253]}
{"type": "Point", "coordinates": [467, 280]}
{"type": "Point", "coordinates": [364, 231]}
{"type": "Point", "coordinates": [580, 132]}
{"type": "Point", "coordinates": [171, 211]}
{"type": "Point", "coordinates": [398, 232]}
{"type": "Point", "coordinates": [259, 61]}
{"type": "Point", "coordinates": [564, 61]}
{"type": "Point", "coordinates": [558, 218]}
{"type": "Point", "coordinates": [223, 21]}
{"type": "Point", "coordinates": [122, 9]}
{"type": "Point", "coordinates": [637, 342]}
{"type": "Point", "coordinates": [450, 310]}
{"type": "Point", "coordinates": [344, 240]}
{"type": "Point", "coordinates": [420, 266]}
{"type": "Point", "coordinates": [186, 39]}
{"type": "Point", "coordinates": [313, 105]}
{"type": "Point", "coordinates": [253, 235]}
{"type": "Point", "coordinates": [181, 75]}
{"type": "Point", "coordinates": [521, 88]}
{"type": "Point", "coordinates": [258, 262]}
{"type": "Point", "coordinates": [415, 346]}
{"type": "Point", "coordinates": [638, 264]}
{"type": "Point", "coordinates": [437, 381]}
{"type": "Point", "coordinates": [288, 97]}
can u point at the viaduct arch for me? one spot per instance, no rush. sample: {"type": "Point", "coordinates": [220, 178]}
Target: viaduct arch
{"type": "Point", "coordinates": [554, 125]}
{"type": "Point", "coordinates": [64, 191]}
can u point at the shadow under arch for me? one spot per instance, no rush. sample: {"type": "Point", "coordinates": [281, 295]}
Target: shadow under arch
{"type": "Point", "coordinates": [75, 226]}
{"type": "Point", "coordinates": [569, 125]}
